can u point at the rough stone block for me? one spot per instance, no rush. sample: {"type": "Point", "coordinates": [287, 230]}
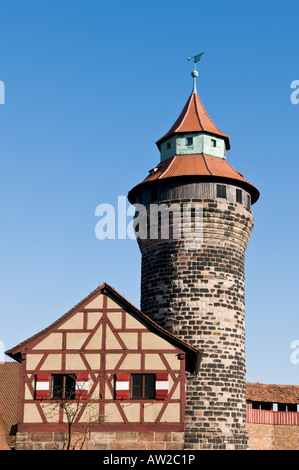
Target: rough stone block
{"type": "Point", "coordinates": [145, 436]}
{"type": "Point", "coordinates": [125, 436]}
{"type": "Point", "coordinates": [163, 436]}
{"type": "Point", "coordinates": [40, 436]}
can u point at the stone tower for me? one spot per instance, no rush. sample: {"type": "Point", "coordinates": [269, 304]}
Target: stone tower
{"type": "Point", "coordinates": [198, 294]}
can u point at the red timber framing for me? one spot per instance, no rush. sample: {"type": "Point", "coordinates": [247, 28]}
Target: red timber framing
{"type": "Point", "coordinates": [111, 337]}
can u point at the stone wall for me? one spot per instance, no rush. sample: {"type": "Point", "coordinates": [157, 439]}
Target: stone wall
{"type": "Point", "coordinates": [261, 437]}
{"type": "Point", "coordinates": [199, 296]}
{"type": "Point", "coordinates": [139, 440]}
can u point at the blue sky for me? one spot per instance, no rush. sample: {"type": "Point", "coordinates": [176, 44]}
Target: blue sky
{"type": "Point", "coordinates": [89, 87]}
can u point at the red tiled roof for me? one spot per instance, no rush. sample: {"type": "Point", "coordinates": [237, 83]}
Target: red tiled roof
{"type": "Point", "coordinates": [198, 165]}
{"type": "Point", "coordinates": [272, 393]}
{"type": "Point", "coordinates": [194, 118]}
{"type": "Point", "coordinates": [9, 398]}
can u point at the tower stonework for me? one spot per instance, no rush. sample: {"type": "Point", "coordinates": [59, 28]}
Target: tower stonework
{"type": "Point", "coordinates": [198, 294]}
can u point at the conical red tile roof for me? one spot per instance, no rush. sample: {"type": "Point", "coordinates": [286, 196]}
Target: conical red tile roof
{"type": "Point", "coordinates": [194, 118]}
{"type": "Point", "coordinates": [200, 165]}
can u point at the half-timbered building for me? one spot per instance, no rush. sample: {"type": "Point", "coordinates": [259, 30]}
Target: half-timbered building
{"type": "Point", "coordinates": [122, 375]}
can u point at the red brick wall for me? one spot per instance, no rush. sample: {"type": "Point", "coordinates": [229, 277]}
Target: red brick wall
{"type": "Point", "coordinates": [270, 437]}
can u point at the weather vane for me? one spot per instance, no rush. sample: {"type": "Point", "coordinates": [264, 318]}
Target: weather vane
{"type": "Point", "coordinates": [194, 73]}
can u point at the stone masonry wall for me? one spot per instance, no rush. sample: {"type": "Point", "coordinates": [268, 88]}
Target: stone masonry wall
{"type": "Point", "coordinates": [130, 440]}
{"type": "Point", "coordinates": [261, 437]}
{"type": "Point", "coordinates": [199, 296]}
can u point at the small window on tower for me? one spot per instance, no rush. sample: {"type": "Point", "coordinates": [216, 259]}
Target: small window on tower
{"type": "Point", "coordinates": [221, 190]}
{"type": "Point", "coordinates": [248, 202]}
{"type": "Point", "coordinates": [189, 141]}
{"type": "Point", "coordinates": [168, 145]}
{"type": "Point", "coordinates": [239, 195]}
{"type": "Point", "coordinates": [213, 143]}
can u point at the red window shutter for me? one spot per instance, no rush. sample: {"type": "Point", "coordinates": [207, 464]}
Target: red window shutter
{"type": "Point", "coordinates": [122, 386]}
{"type": "Point", "coordinates": [42, 386]}
{"type": "Point", "coordinates": [161, 386]}
{"type": "Point", "coordinates": [81, 385]}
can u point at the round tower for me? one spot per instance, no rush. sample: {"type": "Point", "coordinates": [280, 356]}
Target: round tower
{"type": "Point", "coordinates": [196, 290]}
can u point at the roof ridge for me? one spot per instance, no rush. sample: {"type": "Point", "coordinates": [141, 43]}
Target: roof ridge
{"type": "Point", "coordinates": [197, 110]}
{"type": "Point", "coordinates": [208, 116]}
{"type": "Point", "coordinates": [168, 166]}
{"type": "Point", "coordinates": [206, 163]}
{"type": "Point", "coordinates": [188, 104]}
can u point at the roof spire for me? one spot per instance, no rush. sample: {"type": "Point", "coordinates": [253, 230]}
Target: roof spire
{"type": "Point", "coordinates": [194, 73]}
